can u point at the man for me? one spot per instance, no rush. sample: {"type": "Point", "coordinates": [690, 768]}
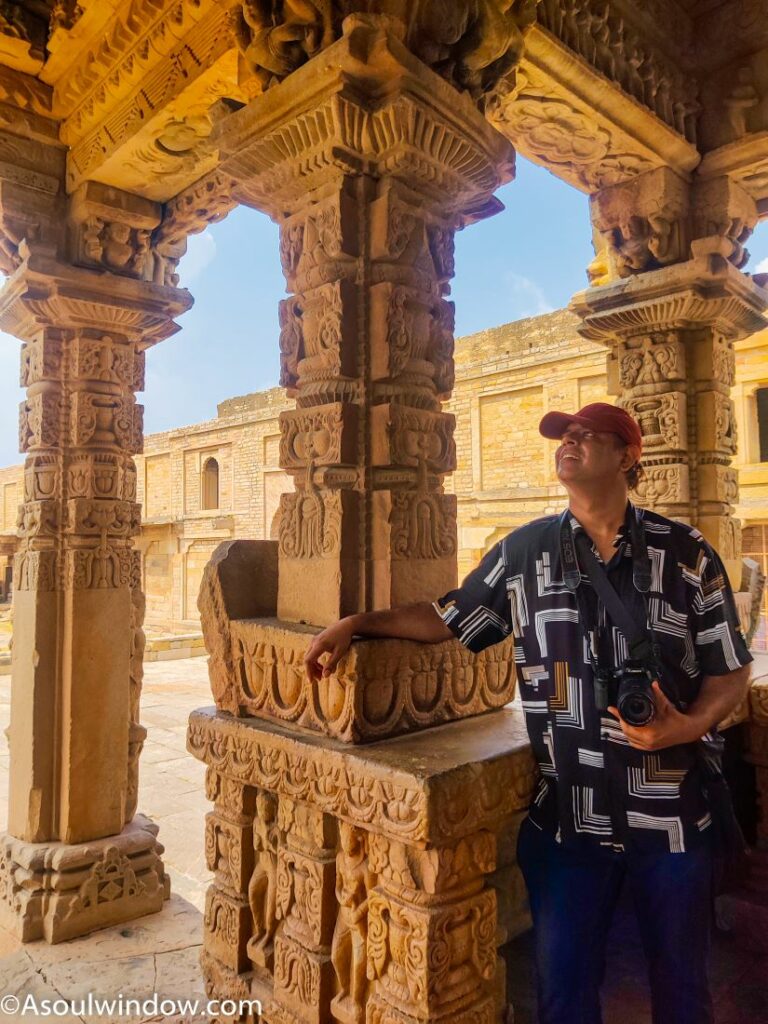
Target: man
{"type": "Point", "coordinates": [616, 801]}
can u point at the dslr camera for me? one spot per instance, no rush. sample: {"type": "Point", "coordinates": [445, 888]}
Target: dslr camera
{"type": "Point", "coordinates": [628, 688]}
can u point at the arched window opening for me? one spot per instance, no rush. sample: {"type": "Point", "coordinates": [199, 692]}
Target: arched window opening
{"type": "Point", "coordinates": [210, 484]}
{"type": "Point", "coordinates": [761, 397]}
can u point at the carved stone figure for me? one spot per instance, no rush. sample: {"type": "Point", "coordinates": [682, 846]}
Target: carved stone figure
{"type": "Point", "coordinates": [348, 951]}
{"type": "Point", "coordinates": [262, 887]}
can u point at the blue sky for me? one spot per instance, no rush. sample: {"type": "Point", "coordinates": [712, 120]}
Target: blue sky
{"type": "Point", "coordinates": [529, 259]}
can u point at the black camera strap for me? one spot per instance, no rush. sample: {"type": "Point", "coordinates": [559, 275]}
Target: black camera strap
{"type": "Point", "coordinates": [640, 645]}
{"type": "Point", "coordinates": [638, 642]}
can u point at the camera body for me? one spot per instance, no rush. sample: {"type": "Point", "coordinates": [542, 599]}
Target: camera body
{"type": "Point", "coordinates": [628, 688]}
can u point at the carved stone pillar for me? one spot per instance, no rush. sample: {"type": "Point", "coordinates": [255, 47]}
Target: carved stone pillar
{"type": "Point", "coordinates": [369, 162]}
{"type": "Point", "coordinates": [81, 299]}
{"type": "Point", "coordinates": [669, 302]}
{"type": "Point", "coordinates": [373, 892]}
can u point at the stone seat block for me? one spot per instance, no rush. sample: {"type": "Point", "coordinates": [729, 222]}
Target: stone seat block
{"type": "Point", "coordinates": [381, 688]}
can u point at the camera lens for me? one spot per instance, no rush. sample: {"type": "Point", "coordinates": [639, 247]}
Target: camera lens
{"type": "Point", "coordinates": [637, 708]}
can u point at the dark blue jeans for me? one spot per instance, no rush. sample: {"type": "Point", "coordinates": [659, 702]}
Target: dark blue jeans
{"type": "Point", "coordinates": [573, 897]}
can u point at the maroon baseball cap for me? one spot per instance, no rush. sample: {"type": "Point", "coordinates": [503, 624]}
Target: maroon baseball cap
{"type": "Point", "coordinates": [610, 419]}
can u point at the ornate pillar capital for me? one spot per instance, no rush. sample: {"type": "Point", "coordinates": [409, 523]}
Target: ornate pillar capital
{"type": "Point", "coordinates": [669, 299]}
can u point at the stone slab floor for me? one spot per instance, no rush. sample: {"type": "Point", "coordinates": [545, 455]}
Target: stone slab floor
{"type": "Point", "coordinates": [158, 954]}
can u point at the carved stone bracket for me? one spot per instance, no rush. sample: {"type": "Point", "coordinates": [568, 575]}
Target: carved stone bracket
{"type": "Point", "coordinates": [559, 113]}
{"type": "Point", "coordinates": [471, 45]}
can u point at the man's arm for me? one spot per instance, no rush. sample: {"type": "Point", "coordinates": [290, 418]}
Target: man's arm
{"type": "Point", "coordinates": [410, 622]}
{"type": "Point", "coordinates": [718, 696]}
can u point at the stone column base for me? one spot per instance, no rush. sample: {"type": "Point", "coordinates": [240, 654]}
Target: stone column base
{"type": "Point", "coordinates": [59, 891]}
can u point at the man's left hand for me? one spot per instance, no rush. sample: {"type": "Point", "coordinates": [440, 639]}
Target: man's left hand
{"type": "Point", "coordinates": [669, 728]}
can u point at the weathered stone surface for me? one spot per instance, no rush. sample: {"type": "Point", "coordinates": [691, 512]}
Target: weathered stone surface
{"type": "Point", "coordinates": [239, 582]}
{"type": "Point", "coordinates": [59, 890]}
{"type": "Point", "coordinates": [380, 688]}
{"type": "Point", "coordinates": [375, 891]}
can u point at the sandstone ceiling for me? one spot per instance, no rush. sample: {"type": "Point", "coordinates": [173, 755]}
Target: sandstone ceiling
{"type": "Point", "coordinates": [137, 89]}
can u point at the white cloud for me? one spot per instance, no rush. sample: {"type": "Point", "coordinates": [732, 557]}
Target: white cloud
{"type": "Point", "coordinates": [762, 266]}
{"type": "Point", "coordinates": [201, 252]}
{"type": "Point", "coordinates": [528, 298]}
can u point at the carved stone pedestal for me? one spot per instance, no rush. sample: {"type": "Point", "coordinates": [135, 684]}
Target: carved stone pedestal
{"type": "Point", "coordinates": [366, 872]}
{"type": "Point", "coordinates": [58, 891]}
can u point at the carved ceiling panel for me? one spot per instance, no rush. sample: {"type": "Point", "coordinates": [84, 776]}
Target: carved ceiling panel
{"type": "Point", "coordinates": [560, 113]}
{"type": "Point", "coordinates": [606, 88]}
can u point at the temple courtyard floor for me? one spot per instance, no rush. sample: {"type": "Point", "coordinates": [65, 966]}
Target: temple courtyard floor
{"type": "Point", "coordinates": [157, 956]}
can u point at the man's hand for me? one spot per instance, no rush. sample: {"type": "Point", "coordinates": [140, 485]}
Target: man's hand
{"type": "Point", "coordinates": [333, 641]}
{"type": "Point", "coordinates": [669, 728]}
{"type": "Point", "coordinates": [409, 622]}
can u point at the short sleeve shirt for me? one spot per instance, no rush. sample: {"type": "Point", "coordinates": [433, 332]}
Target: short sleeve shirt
{"type": "Point", "coordinates": [595, 789]}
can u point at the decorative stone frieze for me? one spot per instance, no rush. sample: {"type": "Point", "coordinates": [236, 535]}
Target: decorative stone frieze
{"type": "Point", "coordinates": [628, 54]}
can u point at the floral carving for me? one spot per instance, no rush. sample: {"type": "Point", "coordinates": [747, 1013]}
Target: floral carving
{"type": "Point", "coordinates": [423, 525]}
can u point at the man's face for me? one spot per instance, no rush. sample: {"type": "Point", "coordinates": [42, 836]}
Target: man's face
{"type": "Point", "coordinates": [592, 457]}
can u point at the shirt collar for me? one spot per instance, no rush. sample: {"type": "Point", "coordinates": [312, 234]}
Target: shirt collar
{"type": "Point", "coordinates": [621, 541]}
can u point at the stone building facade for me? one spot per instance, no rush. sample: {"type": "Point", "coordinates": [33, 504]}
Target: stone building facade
{"type": "Point", "coordinates": [221, 479]}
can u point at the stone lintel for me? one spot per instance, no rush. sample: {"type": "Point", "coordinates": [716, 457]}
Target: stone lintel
{"type": "Point", "coordinates": [746, 161]}
{"type": "Point", "coordinates": [424, 788]}
{"type": "Point", "coordinates": [58, 891]}
{"type": "Point", "coordinates": [707, 291]}
{"type": "Point", "coordinates": [381, 688]}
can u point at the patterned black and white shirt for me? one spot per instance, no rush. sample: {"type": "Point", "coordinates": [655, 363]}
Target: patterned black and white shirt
{"type": "Point", "coordinates": [595, 788]}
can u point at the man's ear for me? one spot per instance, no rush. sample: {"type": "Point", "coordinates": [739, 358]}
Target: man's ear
{"type": "Point", "coordinates": [631, 456]}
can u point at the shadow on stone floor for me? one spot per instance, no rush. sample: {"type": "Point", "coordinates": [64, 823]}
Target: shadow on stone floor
{"type": "Point", "coordinates": [739, 979]}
